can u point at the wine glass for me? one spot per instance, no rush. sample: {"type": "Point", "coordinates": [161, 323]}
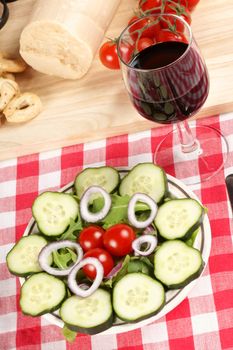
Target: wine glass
{"type": "Point", "coordinates": [167, 81]}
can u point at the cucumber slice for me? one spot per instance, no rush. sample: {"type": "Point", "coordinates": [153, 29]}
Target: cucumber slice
{"type": "Point", "coordinates": [53, 211]}
{"type": "Point", "coordinates": [145, 178]}
{"type": "Point", "coordinates": [176, 264]}
{"type": "Point", "coordinates": [22, 259]}
{"type": "Point", "coordinates": [179, 218]}
{"type": "Point", "coordinates": [106, 177]}
{"type": "Point", "coordinates": [89, 315]}
{"type": "Point", "coordinates": [41, 293]}
{"type": "Point", "coordinates": [137, 296]}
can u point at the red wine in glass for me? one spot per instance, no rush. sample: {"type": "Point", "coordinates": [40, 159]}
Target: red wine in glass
{"type": "Point", "coordinates": [168, 95]}
{"type": "Point", "coordinates": [168, 83]}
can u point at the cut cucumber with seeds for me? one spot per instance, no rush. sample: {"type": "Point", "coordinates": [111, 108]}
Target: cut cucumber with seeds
{"type": "Point", "coordinates": [22, 260]}
{"type": "Point", "coordinates": [137, 296]}
{"type": "Point", "coordinates": [145, 178]}
{"type": "Point", "coordinates": [179, 218]}
{"type": "Point", "coordinates": [53, 211]}
{"type": "Point", "coordinates": [41, 293]}
{"type": "Point", "coordinates": [89, 315]}
{"type": "Point", "coordinates": [106, 177]}
{"type": "Point", "coordinates": [176, 264]}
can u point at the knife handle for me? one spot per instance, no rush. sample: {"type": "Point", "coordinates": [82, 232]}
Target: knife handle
{"type": "Point", "coordinates": [229, 184]}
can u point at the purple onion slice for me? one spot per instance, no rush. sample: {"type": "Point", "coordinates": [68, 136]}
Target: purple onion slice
{"type": "Point", "coordinates": [54, 246]}
{"type": "Point", "coordinates": [115, 270]}
{"type": "Point", "coordinates": [84, 203]}
{"type": "Point", "coordinates": [72, 282]}
{"type": "Point", "coordinates": [141, 197]}
{"type": "Point", "coordinates": [151, 245]}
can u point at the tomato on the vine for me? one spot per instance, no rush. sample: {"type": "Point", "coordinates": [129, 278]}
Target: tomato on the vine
{"type": "Point", "coordinates": [143, 43]}
{"type": "Point", "coordinates": [108, 55]}
{"type": "Point", "coordinates": [150, 6]}
{"type": "Point", "coordinates": [167, 35]}
{"type": "Point", "coordinates": [91, 237]}
{"type": "Point", "coordinates": [144, 28]}
{"type": "Point", "coordinates": [103, 256]}
{"type": "Point", "coordinates": [180, 11]}
{"type": "Point", "coordinates": [126, 51]}
{"type": "Point", "coordinates": [189, 4]}
{"type": "Point", "coordinates": [118, 239]}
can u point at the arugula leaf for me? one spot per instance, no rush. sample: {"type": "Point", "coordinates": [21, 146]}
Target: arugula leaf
{"type": "Point", "coordinates": [61, 260]}
{"type": "Point", "coordinates": [73, 255]}
{"type": "Point", "coordinates": [68, 334]}
{"type": "Point", "coordinates": [119, 209]}
{"type": "Point", "coordinates": [64, 257]}
{"type": "Point", "coordinates": [71, 232]}
{"type": "Point", "coordinates": [191, 240]}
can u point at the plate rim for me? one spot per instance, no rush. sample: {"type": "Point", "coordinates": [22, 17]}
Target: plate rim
{"type": "Point", "coordinates": [175, 300]}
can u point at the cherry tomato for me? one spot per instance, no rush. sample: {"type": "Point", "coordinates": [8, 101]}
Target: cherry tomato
{"type": "Point", "coordinates": [103, 256]}
{"type": "Point", "coordinates": [150, 32]}
{"type": "Point", "coordinates": [189, 4]}
{"type": "Point", "coordinates": [150, 6]}
{"type": "Point", "coordinates": [91, 237]}
{"type": "Point", "coordinates": [126, 51]}
{"type": "Point", "coordinates": [118, 239]}
{"type": "Point", "coordinates": [180, 11]}
{"type": "Point", "coordinates": [108, 55]}
{"type": "Point", "coordinates": [167, 35]}
{"type": "Point", "coordinates": [143, 43]}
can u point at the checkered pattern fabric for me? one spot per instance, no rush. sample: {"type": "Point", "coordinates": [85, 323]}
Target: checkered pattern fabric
{"type": "Point", "coordinates": [203, 321]}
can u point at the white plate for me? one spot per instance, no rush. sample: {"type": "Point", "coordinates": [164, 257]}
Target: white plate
{"type": "Point", "coordinates": [173, 297]}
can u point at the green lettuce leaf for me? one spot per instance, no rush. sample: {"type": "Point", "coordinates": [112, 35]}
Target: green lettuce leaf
{"type": "Point", "coordinates": [130, 265]}
{"type": "Point", "coordinates": [119, 209]}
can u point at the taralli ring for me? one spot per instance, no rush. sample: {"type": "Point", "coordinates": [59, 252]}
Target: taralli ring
{"type": "Point", "coordinates": [7, 75]}
{"type": "Point", "coordinates": [23, 108]}
{"type": "Point", "coordinates": [8, 89]}
{"type": "Point", "coordinates": [12, 65]}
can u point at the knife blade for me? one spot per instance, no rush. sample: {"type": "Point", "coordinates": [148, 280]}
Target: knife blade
{"type": "Point", "coordinates": [229, 184]}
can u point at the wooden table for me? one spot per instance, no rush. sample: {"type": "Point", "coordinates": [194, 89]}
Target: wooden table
{"type": "Point", "coordinates": [97, 106]}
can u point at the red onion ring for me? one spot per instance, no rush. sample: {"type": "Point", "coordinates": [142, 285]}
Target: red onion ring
{"type": "Point", "coordinates": [115, 270]}
{"type": "Point", "coordinates": [51, 247]}
{"type": "Point", "coordinates": [137, 243]}
{"type": "Point", "coordinates": [150, 230]}
{"type": "Point", "coordinates": [131, 210]}
{"type": "Point", "coordinates": [72, 283]}
{"type": "Point", "coordinates": [84, 210]}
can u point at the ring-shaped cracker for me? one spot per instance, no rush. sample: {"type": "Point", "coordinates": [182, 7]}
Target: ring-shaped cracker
{"type": "Point", "coordinates": [8, 89]}
{"type": "Point", "coordinates": [23, 108]}
{"type": "Point", "coordinates": [16, 65]}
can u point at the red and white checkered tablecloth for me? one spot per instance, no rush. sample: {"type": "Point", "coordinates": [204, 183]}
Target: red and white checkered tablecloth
{"type": "Point", "coordinates": [203, 321]}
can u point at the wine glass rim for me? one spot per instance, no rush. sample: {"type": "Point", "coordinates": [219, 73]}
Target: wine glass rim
{"type": "Point", "coordinates": [155, 15]}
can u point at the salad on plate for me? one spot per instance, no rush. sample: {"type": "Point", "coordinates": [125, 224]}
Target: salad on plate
{"type": "Point", "coordinates": [109, 251]}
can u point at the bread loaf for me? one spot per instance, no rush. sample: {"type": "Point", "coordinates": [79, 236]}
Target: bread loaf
{"type": "Point", "coordinates": [62, 36]}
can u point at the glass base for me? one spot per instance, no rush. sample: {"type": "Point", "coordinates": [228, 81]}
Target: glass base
{"type": "Point", "coordinates": [196, 166]}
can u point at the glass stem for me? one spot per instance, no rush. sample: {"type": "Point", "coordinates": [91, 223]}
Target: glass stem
{"type": "Point", "coordinates": [187, 141]}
